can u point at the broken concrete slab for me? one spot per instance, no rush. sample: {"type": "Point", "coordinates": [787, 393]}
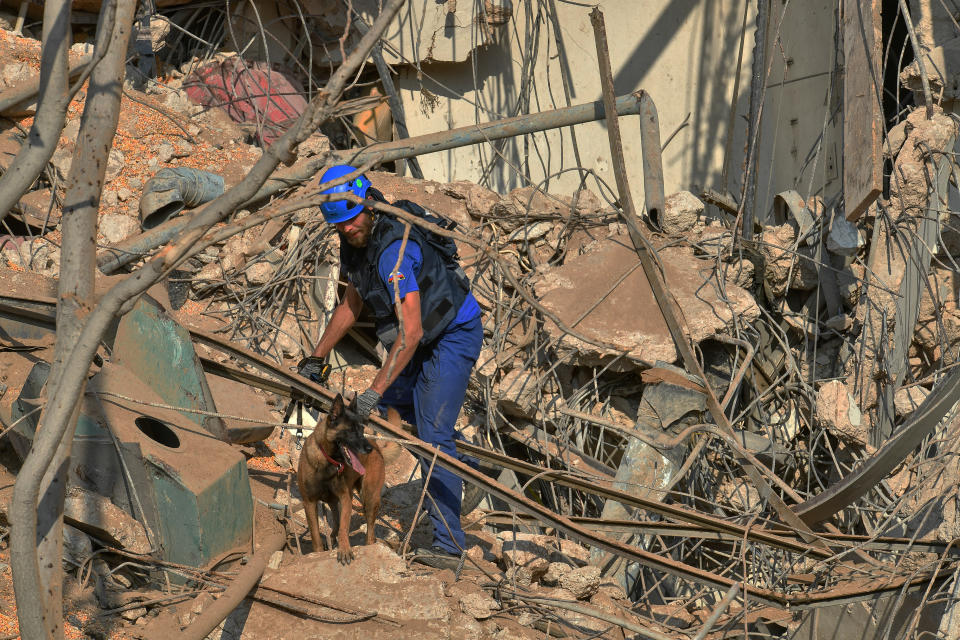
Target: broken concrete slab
{"type": "Point", "coordinates": [96, 515]}
{"type": "Point", "coordinates": [241, 400]}
{"type": "Point", "coordinates": [376, 581]}
{"type": "Point", "coordinates": [36, 210]}
{"type": "Point", "coordinates": [582, 293]}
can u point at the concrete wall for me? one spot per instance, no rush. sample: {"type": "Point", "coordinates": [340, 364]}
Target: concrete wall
{"type": "Point", "coordinates": [683, 52]}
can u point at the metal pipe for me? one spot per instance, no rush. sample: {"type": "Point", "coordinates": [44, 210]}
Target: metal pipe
{"type": "Point", "coordinates": [757, 87]}
{"type": "Point", "coordinates": [123, 253]}
{"type": "Point", "coordinates": [487, 132]}
{"type": "Point", "coordinates": [245, 580]}
{"type": "Point", "coordinates": [652, 160]}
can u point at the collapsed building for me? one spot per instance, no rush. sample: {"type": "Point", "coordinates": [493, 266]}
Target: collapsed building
{"type": "Point", "coordinates": [726, 410]}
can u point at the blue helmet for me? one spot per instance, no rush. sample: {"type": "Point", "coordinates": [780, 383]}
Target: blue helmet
{"type": "Point", "coordinates": [342, 210]}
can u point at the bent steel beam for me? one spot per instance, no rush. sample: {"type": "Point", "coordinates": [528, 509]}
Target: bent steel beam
{"type": "Point", "coordinates": [922, 422]}
{"type": "Point", "coordinates": [123, 253]}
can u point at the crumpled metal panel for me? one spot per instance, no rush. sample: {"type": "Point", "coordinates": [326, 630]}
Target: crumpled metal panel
{"type": "Point", "coordinates": [158, 350]}
{"type": "Point", "coordinates": [192, 490]}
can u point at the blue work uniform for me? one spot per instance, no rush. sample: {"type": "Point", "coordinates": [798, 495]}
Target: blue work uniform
{"type": "Point", "coordinates": [430, 390]}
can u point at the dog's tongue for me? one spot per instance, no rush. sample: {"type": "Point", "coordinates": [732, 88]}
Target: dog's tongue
{"type": "Point", "coordinates": [353, 460]}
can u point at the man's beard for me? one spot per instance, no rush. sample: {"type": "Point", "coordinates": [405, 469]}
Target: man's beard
{"type": "Point", "coordinates": [361, 237]}
{"type": "Point", "coordinates": [359, 240]}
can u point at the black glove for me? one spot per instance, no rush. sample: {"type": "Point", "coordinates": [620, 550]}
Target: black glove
{"type": "Point", "coordinates": [365, 403]}
{"type": "Point", "coordinates": [315, 369]}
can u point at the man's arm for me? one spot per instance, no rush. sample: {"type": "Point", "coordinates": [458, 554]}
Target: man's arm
{"type": "Point", "coordinates": [344, 316]}
{"type": "Point", "coordinates": [403, 349]}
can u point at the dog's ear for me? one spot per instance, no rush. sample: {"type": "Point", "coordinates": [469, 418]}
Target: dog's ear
{"type": "Point", "coordinates": [337, 408]}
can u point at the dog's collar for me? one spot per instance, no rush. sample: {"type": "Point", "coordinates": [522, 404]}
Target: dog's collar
{"type": "Point", "coordinates": [339, 465]}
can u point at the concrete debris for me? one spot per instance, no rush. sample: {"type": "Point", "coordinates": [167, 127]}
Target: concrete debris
{"type": "Point", "coordinates": [519, 393]}
{"type": "Point", "coordinates": [582, 582]}
{"type": "Point", "coordinates": [838, 413]}
{"type": "Point", "coordinates": [681, 213]}
{"type": "Point", "coordinates": [621, 309]}
{"type": "Point", "coordinates": [101, 518]}
{"type": "Point", "coordinates": [115, 227]}
{"type": "Point", "coordinates": [478, 604]}
{"type": "Point", "coordinates": [844, 238]}
{"type": "Point", "coordinates": [555, 571]}
{"type": "Point", "coordinates": [787, 265]}
{"type": "Point", "coordinates": [908, 399]}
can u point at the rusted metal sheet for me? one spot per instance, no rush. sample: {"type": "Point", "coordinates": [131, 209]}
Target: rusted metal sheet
{"type": "Point", "coordinates": [862, 110]}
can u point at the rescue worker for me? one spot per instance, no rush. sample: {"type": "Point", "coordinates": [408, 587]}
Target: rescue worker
{"type": "Point", "coordinates": [424, 376]}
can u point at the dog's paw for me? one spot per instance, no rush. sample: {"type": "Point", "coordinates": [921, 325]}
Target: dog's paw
{"type": "Point", "coordinates": [345, 556]}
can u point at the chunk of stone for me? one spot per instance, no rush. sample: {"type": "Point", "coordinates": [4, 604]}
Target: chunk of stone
{"type": "Point", "coordinates": [77, 546]}
{"type": "Point", "coordinates": [259, 272]}
{"type": "Point", "coordinates": [528, 200]}
{"type": "Point", "coordinates": [741, 272]}
{"type": "Point", "coordinates": [62, 160]}
{"type": "Point", "coordinates": [837, 411]}
{"type": "Point", "coordinates": [524, 558]}
{"type": "Point", "coordinates": [844, 238]}
{"type": "Point", "coordinates": [478, 605]}
{"type": "Point", "coordinates": [480, 201]}
{"type": "Point", "coordinates": [100, 517]}
{"type": "Point", "coordinates": [517, 393]}
{"type": "Point", "coordinates": [165, 152]}
{"type": "Point", "coordinates": [786, 265]}
{"type": "Point", "coordinates": [681, 211]}
{"type": "Point", "coordinates": [115, 164]}
{"type": "Point", "coordinates": [14, 72]}
{"type": "Point", "coordinates": [315, 145]}
{"type": "Point", "coordinates": [740, 495]}
{"type": "Point", "coordinates": [133, 614]}
{"type": "Point", "coordinates": [289, 338]}
{"type": "Point", "coordinates": [588, 204]}
{"type": "Point", "coordinates": [117, 227]}
{"type": "Point", "coordinates": [907, 399]}
{"type": "Point", "coordinates": [531, 233]}
{"type": "Point", "coordinates": [555, 571]}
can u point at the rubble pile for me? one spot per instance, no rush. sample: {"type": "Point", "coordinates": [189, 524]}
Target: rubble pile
{"type": "Point", "coordinates": [819, 339]}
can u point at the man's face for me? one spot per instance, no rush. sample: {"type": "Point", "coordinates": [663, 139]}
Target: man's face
{"type": "Point", "coordinates": [356, 230]}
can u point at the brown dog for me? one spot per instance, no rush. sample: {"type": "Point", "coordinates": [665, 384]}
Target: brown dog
{"type": "Point", "coordinates": [336, 459]}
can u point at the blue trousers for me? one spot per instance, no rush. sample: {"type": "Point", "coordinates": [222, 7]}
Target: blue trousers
{"type": "Point", "coordinates": [429, 393]}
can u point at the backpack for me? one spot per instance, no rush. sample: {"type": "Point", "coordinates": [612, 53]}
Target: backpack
{"type": "Point", "coordinates": [443, 245]}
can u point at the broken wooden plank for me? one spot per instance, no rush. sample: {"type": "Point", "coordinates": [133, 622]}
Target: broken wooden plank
{"type": "Point", "coordinates": [862, 111]}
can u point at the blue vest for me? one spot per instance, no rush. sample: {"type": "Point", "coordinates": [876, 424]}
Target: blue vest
{"type": "Point", "coordinates": [443, 284]}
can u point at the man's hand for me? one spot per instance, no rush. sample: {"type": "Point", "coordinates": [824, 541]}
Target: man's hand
{"type": "Point", "coordinates": [315, 369]}
{"type": "Point", "coordinates": [366, 401]}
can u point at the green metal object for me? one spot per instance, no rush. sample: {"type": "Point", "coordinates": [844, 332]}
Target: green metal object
{"type": "Point", "coordinates": [192, 491]}
{"type": "Point", "coordinates": [158, 350]}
